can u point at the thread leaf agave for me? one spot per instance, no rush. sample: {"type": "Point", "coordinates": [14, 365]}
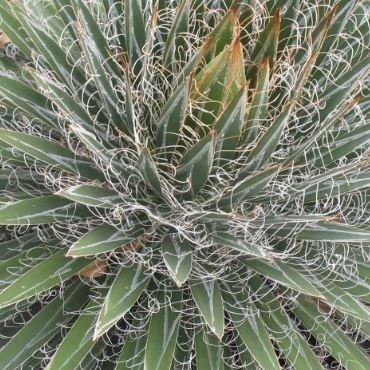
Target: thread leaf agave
{"type": "Point", "coordinates": [184, 184]}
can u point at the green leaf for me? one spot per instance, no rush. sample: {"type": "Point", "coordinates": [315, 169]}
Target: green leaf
{"type": "Point", "coordinates": [336, 295]}
{"type": "Point", "coordinates": [337, 181]}
{"type": "Point", "coordinates": [11, 180]}
{"type": "Point", "coordinates": [13, 29]}
{"type": "Point", "coordinates": [285, 333]}
{"type": "Point", "coordinates": [250, 328]}
{"type": "Point", "coordinates": [174, 43]}
{"type": "Point", "coordinates": [52, 53]}
{"type": "Point", "coordinates": [343, 11]}
{"type": "Point", "coordinates": [266, 45]}
{"type": "Point", "coordinates": [127, 287]}
{"type": "Point", "coordinates": [100, 150]}
{"type": "Point", "coordinates": [172, 117]}
{"type": "Point", "coordinates": [51, 153]}
{"type": "Point", "coordinates": [207, 297]}
{"type": "Point", "coordinates": [101, 239]}
{"type": "Point", "coordinates": [66, 13]}
{"type": "Point", "coordinates": [326, 121]}
{"type": "Point", "coordinates": [258, 107]}
{"type": "Point", "coordinates": [343, 145]}
{"type": "Point", "coordinates": [163, 332]}
{"type": "Point", "coordinates": [104, 82]}
{"type": "Point", "coordinates": [217, 83]}
{"type": "Point", "coordinates": [91, 195]}
{"type": "Point", "coordinates": [149, 171]}
{"type": "Point", "coordinates": [333, 232]}
{"type": "Point", "coordinates": [209, 351]}
{"type": "Point", "coordinates": [316, 39]}
{"type": "Point", "coordinates": [41, 210]}
{"type": "Point", "coordinates": [135, 31]}
{"type": "Point", "coordinates": [96, 35]}
{"type": "Point", "coordinates": [68, 104]}
{"type": "Point", "coordinates": [268, 142]}
{"type": "Point", "coordinates": [45, 275]}
{"type": "Point", "coordinates": [133, 350]}
{"type": "Point", "coordinates": [42, 327]}
{"type": "Point", "coordinates": [76, 344]}
{"type": "Point", "coordinates": [24, 97]}
{"type": "Point", "coordinates": [177, 255]}
{"type": "Point", "coordinates": [227, 240]}
{"type": "Point", "coordinates": [344, 85]}
{"type": "Point", "coordinates": [248, 187]}
{"type": "Point", "coordinates": [229, 125]}
{"type": "Point", "coordinates": [197, 162]}
{"type": "Point", "coordinates": [23, 261]}
{"type": "Point", "coordinates": [330, 336]}
{"type": "Point", "coordinates": [283, 274]}
{"type": "Point", "coordinates": [12, 247]}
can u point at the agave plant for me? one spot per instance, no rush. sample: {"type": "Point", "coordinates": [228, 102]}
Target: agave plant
{"type": "Point", "coordinates": [184, 184]}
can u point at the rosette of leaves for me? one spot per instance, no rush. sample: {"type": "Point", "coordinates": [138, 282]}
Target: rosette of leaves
{"type": "Point", "coordinates": [184, 184]}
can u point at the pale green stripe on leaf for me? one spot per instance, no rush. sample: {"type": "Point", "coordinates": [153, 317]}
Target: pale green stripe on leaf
{"type": "Point", "coordinates": [208, 350]}
{"type": "Point", "coordinates": [42, 327]}
{"type": "Point", "coordinates": [177, 255]}
{"type": "Point", "coordinates": [340, 345]}
{"type": "Point", "coordinates": [208, 299]}
{"type": "Point", "coordinates": [163, 332]}
{"type": "Point", "coordinates": [91, 195]}
{"type": "Point", "coordinates": [41, 210]}
{"type": "Point", "coordinates": [127, 287]}
{"type": "Point", "coordinates": [102, 239]}
{"type": "Point", "coordinates": [45, 275]}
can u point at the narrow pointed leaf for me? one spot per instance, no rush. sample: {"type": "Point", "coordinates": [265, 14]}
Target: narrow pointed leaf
{"type": "Point", "coordinates": [123, 294]}
{"type": "Point", "coordinates": [266, 45]}
{"type": "Point", "coordinates": [281, 327]}
{"type": "Point", "coordinates": [103, 82]}
{"type": "Point", "coordinates": [162, 334]}
{"type": "Point", "coordinates": [258, 107]}
{"type": "Point", "coordinates": [178, 258]}
{"type": "Point", "coordinates": [100, 41]}
{"type": "Point", "coordinates": [14, 30]}
{"type": "Point", "coordinates": [174, 42]}
{"type": "Point", "coordinates": [50, 152]}
{"type": "Point", "coordinates": [45, 275]}
{"type": "Point", "coordinates": [41, 210]}
{"type": "Point", "coordinates": [76, 344]}
{"type": "Point", "coordinates": [238, 244]}
{"type": "Point", "coordinates": [209, 351]}
{"type": "Point", "coordinates": [91, 195]}
{"type": "Point", "coordinates": [42, 327]}
{"type": "Point", "coordinates": [22, 262]}
{"type": "Point", "coordinates": [101, 239]}
{"type": "Point", "coordinates": [149, 171]}
{"type": "Point", "coordinates": [330, 336]}
{"type": "Point", "coordinates": [172, 117]}
{"type": "Point", "coordinates": [52, 53]}
{"type": "Point", "coordinates": [135, 30]}
{"type": "Point", "coordinates": [268, 142]}
{"type": "Point", "coordinates": [249, 187]}
{"type": "Point", "coordinates": [283, 274]}
{"type": "Point", "coordinates": [219, 82]}
{"type": "Point", "coordinates": [251, 328]}
{"type": "Point", "coordinates": [342, 145]}
{"type": "Point", "coordinates": [196, 163]}
{"type": "Point", "coordinates": [334, 232]}
{"type": "Point", "coordinates": [229, 125]}
{"type": "Point", "coordinates": [24, 97]}
{"type": "Point", "coordinates": [133, 350]}
{"type": "Point", "coordinates": [207, 297]}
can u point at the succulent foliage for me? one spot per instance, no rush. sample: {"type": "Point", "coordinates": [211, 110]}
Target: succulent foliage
{"type": "Point", "coordinates": [184, 184]}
